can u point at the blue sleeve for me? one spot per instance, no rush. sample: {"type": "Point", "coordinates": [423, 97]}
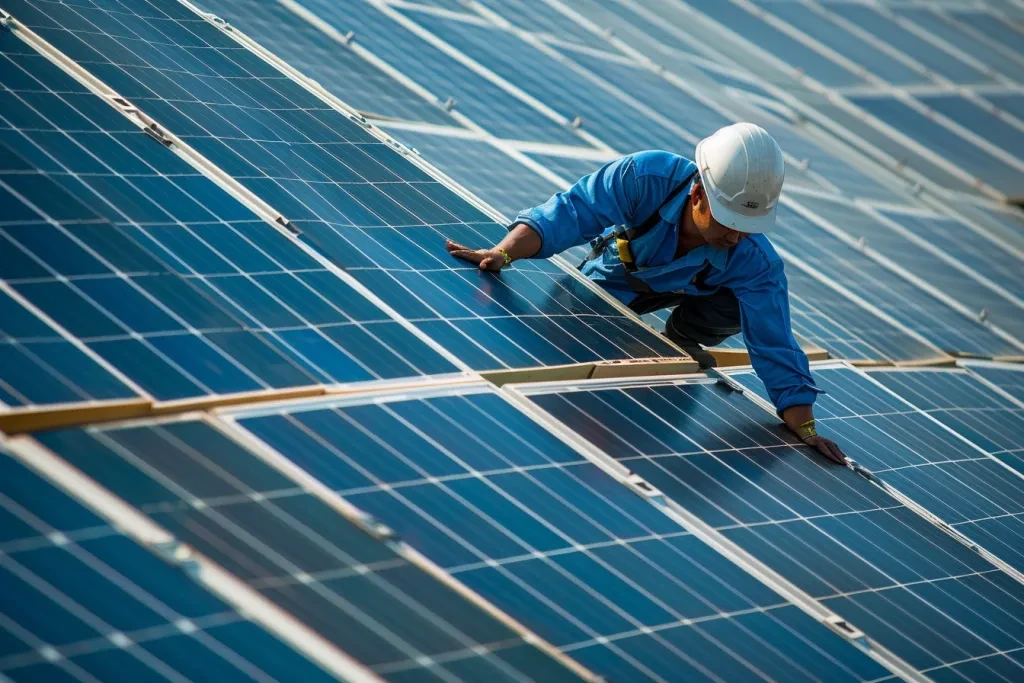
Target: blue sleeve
{"type": "Point", "coordinates": [608, 196]}
{"type": "Point", "coordinates": [777, 358]}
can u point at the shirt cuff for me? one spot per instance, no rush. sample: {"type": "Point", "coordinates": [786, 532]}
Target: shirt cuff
{"type": "Point", "coordinates": [527, 219]}
{"type": "Point", "coordinates": [804, 395]}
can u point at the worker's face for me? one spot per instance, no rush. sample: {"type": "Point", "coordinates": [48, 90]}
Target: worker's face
{"type": "Point", "coordinates": [713, 232]}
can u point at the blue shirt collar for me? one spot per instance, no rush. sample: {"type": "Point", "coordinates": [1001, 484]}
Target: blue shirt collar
{"type": "Point", "coordinates": [671, 212]}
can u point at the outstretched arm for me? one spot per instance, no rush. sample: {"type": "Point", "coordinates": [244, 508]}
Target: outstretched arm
{"type": "Point", "coordinates": [800, 420]}
{"type": "Point", "coordinates": [522, 241]}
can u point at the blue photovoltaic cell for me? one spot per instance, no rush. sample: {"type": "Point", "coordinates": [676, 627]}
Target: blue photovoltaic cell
{"type": "Point", "coordinates": [986, 258]}
{"type": "Point", "coordinates": [895, 35]}
{"type": "Point", "coordinates": [966, 404]}
{"type": "Point", "coordinates": [569, 168]}
{"type": "Point", "coordinates": [837, 38]}
{"type": "Point", "coordinates": [781, 44]}
{"type": "Point", "coordinates": [531, 525]}
{"type": "Point", "coordinates": [915, 308]}
{"type": "Point", "coordinates": [902, 580]}
{"type": "Point", "coordinates": [921, 262]}
{"type": "Point", "coordinates": [536, 16]}
{"type": "Point", "coordinates": [942, 140]}
{"type": "Point", "coordinates": [301, 553]}
{"type": "Point", "coordinates": [83, 602]}
{"type": "Point", "coordinates": [322, 58]}
{"type": "Point", "coordinates": [1012, 103]}
{"type": "Point", "coordinates": [38, 365]}
{"type": "Point", "coordinates": [483, 169]}
{"type": "Point", "coordinates": [486, 103]}
{"type": "Point", "coordinates": [946, 475]}
{"type": "Point", "coordinates": [948, 31]}
{"type": "Point", "coordinates": [1008, 378]}
{"type": "Point", "coordinates": [361, 204]}
{"type": "Point", "coordinates": [162, 273]}
{"type": "Point", "coordinates": [651, 90]}
{"type": "Point", "coordinates": [1003, 135]}
{"type": "Point", "coordinates": [613, 121]}
{"type": "Point", "coordinates": [993, 28]}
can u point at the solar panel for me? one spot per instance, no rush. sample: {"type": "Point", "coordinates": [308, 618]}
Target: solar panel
{"type": "Point", "coordinates": [951, 34]}
{"type": "Point", "coordinates": [974, 493]}
{"type": "Point", "coordinates": [537, 16]}
{"type": "Point", "coordinates": [84, 601]}
{"type": "Point", "coordinates": [965, 404]}
{"type": "Point", "coordinates": [569, 168]}
{"type": "Point", "coordinates": [779, 43]}
{"type": "Point", "coordinates": [1000, 133]}
{"type": "Point", "coordinates": [486, 103]}
{"type": "Point", "coordinates": [886, 28]}
{"type": "Point", "coordinates": [483, 169]}
{"type": "Point", "coordinates": [894, 575]}
{"type": "Point", "coordinates": [613, 121]}
{"type": "Point", "coordinates": [516, 514]}
{"type": "Point", "coordinates": [920, 261]}
{"type": "Point", "coordinates": [163, 274]}
{"type": "Point", "coordinates": [1008, 102]}
{"type": "Point", "coordinates": [861, 52]}
{"type": "Point", "coordinates": [322, 58]}
{"type": "Point", "coordinates": [935, 136]}
{"type": "Point", "coordinates": [1009, 378]}
{"type": "Point", "coordinates": [291, 542]}
{"type": "Point", "coordinates": [376, 214]}
{"type": "Point", "coordinates": [903, 301]}
{"type": "Point", "coordinates": [993, 28]}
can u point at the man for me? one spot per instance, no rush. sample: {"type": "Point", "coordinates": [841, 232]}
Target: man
{"type": "Point", "coordinates": [693, 239]}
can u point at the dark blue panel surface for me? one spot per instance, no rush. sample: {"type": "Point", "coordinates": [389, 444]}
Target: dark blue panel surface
{"type": "Point", "coordinates": [536, 16]}
{"type": "Point", "coordinates": [486, 103]}
{"type": "Point", "coordinates": [612, 120]}
{"type": "Point", "coordinates": [781, 44]}
{"type": "Point", "coordinates": [941, 26]}
{"type": "Point", "coordinates": [925, 596]}
{"type": "Point", "coordinates": [361, 204]}
{"type": "Point", "coordinates": [859, 51]}
{"type": "Point", "coordinates": [904, 301]}
{"type": "Point", "coordinates": [164, 274]}
{"type": "Point", "coordinates": [926, 265]}
{"type": "Point", "coordinates": [895, 35]}
{"type": "Point", "coordinates": [993, 28]}
{"type": "Point", "coordinates": [299, 552]}
{"type": "Point", "coordinates": [944, 141]}
{"type": "Point", "coordinates": [1008, 378]}
{"type": "Point", "coordinates": [953, 480]}
{"type": "Point", "coordinates": [530, 524]}
{"type": "Point", "coordinates": [81, 601]}
{"type": "Point", "coordinates": [322, 58]}
{"type": "Point", "coordinates": [1000, 133]}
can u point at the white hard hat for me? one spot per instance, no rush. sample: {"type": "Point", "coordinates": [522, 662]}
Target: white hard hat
{"type": "Point", "coordinates": [741, 168]}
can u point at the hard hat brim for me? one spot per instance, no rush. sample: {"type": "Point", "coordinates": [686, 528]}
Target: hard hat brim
{"type": "Point", "coordinates": [736, 221]}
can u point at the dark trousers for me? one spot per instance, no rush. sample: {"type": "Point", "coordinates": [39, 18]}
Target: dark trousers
{"type": "Point", "coordinates": [695, 321]}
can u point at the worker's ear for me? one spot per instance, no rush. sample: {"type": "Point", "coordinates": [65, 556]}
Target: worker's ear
{"type": "Point", "coordinates": [698, 197]}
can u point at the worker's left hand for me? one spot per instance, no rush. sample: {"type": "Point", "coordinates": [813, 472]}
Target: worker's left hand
{"type": "Point", "coordinates": [827, 447]}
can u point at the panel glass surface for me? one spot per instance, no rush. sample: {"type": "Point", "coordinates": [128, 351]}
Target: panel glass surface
{"type": "Point", "coordinates": [322, 58]}
{"type": "Point", "coordinates": [948, 31]}
{"type": "Point", "coordinates": [525, 520]}
{"type": "Point", "coordinates": [904, 582]}
{"type": "Point", "coordinates": [486, 103]}
{"type": "Point", "coordinates": [569, 168]}
{"type": "Point", "coordinates": [893, 34]}
{"type": "Point", "coordinates": [921, 262]}
{"type": "Point", "coordinates": [1001, 266]}
{"type": "Point", "coordinates": [483, 169]}
{"type": "Point", "coordinates": [993, 28]}
{"type": "Point", "coordinates": [837, 38]}
{"type": "Point", "coordinates": [556, 85]}
{"type": "Point", "coordinates": [1013, 103]}
{"type": "Point", "coordinates": [781, 44]}
{"type": "Point", "coordinates": [300, 553]}
{"type": "Point", "coordinates": [83, 602]}
{"type": "Point", "coordinates": [1009, 378]}
{"type": "Point", "coordinates": [165, 275]}
{"type": "Point", "coordinates": [942, 140]}
{"type": "Point", "coordinates": [913, 307]}
{"type": "Point", "coordinates": [364, 206]}
{"type": "Point", "coordinates": [537, 16]}
{"type": "Point", "coordinates": [1003, 135]}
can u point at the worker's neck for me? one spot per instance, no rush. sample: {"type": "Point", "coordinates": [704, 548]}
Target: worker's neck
{"type": "Point", "coordinates": [689, 236]}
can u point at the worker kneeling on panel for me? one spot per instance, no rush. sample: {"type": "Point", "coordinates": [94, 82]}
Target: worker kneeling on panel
{"type": "Point", "coordinates": [667, 232]}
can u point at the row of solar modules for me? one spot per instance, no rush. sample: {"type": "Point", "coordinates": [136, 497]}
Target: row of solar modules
{"type": "Point", "coordinates": [126, 272]}
{"type": "Point", "coordinates": [268, 566]}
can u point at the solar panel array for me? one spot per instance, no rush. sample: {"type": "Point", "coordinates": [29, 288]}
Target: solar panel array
{"type": "Point", "coordinates": [247, 435]}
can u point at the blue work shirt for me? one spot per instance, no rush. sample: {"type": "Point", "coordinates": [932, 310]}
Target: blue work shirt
{"type": "Point", "coordinates": [630, 190]}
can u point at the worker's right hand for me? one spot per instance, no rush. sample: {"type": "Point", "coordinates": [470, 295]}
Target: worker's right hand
{"type": "Point", "coordinates": [485, 259]}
